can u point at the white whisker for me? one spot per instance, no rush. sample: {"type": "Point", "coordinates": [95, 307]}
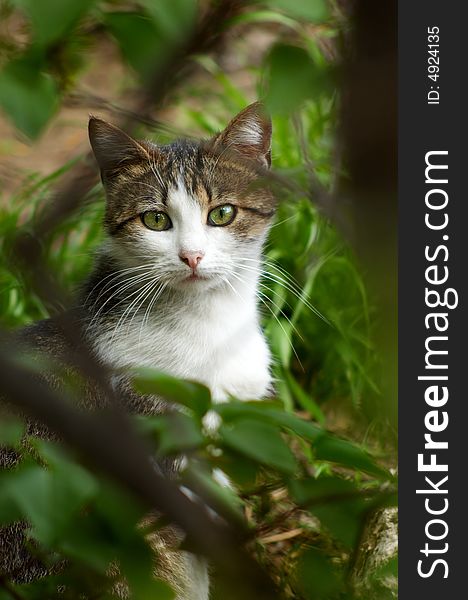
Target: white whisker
{"type": "Point", "coordinates": [146, 316]}
{"type": "Point", "coordinates": [139, 294]}
{"type": "Point", "coordinates": [155, 171]}
{"type": "Point", "coordinates": [115, 275]}
{"type": "Point", "coordinates": [291, 286]}
{"type": "Point", "coordinates": [119, 290]}
{"type": "Point", "coordinates": [261, 297]}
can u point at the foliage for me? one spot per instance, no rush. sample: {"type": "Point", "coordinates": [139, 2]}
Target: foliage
{"type": "Point", "coordinates": [290, 474]}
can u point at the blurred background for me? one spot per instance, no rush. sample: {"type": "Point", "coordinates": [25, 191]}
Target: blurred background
{"type": "Point", "coordinates": [161, 70]}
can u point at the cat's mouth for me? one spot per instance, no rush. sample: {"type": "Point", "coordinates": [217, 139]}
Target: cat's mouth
{"type": "Point", "coordinates": [194, 277]}
{"type": "Point", "coordinates": [197, 279]}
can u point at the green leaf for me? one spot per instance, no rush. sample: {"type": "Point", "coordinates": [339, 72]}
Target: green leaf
{"type": "Point", "coordinates": [260, 441]}
{"type": "Point", "coordinates": [30, 489]}
{"type": "Point", "coordinates": [203, 483]}
{"type": "Point", "coordinates": [263, 16]}
{"type": "Point", "coordinates": [11, 432]}
{"type": "Point", "coordinates": [52, 19]}
{"type": "Point", "coordinates": [175, 432]}
{"type": "Point", "coordinates": [315, 11]}
{"type": "Point", "coordinates": [88, 541]}
{"type": "Point", "coordinates": [327, 446]}
{"type": "Point", "coordinates": [293, 77]}
{"type": "Point", "coordinates": [50, 498]}
{"type": "Point", "coordinates": [9, 509]}
{"type": "Point", "coordinates": [191, 394]}
{"type": "Point", "coordinates": [120, 510]}
{"type": "Point", "coordinates": [28, 95]}
{"type": "Point", "coordinates": [137, 564]}
{"type": "Point", "coordinates": [269, 412]}
{"type": "Point", "coordinates": [44, 587]}
{"type": "Point", "coordinates": [304, 399]}
{"type": "Point", "coordinates": [348, 454]}
{"type": "Point", "coordinates": [239, 468]}
{"type": "Point", "coordinates": [309, 431]}
{"type": "Point", "coordinates": [151, 587]}
{"type": "Point", "coordinates": [139, 40]}
{"type": "Point", "coordinates": [256, 409]}
{"type": "Point", "coordinates": [280, 333]}
{"type": "Point", "coordinates": [173, 19]}
{"type": "Point", "coordinates": [317, 576]}
{"type": "Point", "coordinates": [335, 502]}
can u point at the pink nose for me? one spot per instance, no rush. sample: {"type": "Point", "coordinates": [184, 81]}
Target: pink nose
{"type": "Point", "coordinates": [192, 259]}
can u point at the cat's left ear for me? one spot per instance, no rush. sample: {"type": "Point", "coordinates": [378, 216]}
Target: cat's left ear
{"type": "Point", "coordinates": [250, 134]}
{"type": "Point", "coordinates": [112, 147]}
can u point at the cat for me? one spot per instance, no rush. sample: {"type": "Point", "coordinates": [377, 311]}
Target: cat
{"type": "Point", "coordinates": [175, 284]}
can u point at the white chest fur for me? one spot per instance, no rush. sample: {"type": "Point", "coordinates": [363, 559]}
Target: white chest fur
{"type": "Point", "coordinates": [214, 338]}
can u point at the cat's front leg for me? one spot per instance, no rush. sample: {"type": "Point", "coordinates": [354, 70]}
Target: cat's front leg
{"type": "Point", "coordinates": [244, 376]}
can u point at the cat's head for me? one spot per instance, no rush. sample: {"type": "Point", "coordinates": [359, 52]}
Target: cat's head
{"type": "Point", "coordinates": [196, 212]}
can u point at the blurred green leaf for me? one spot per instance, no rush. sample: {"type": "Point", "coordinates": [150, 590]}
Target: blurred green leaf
{"type": "Point", "coordinates": [9, 509]}
{"type": "Point", "coordinates": [311, 10]}
{"type": "Point", "coordinates": [28, 95]}
{"type": "Point", "coordinates": [173, 19]}
{"type": "Point", "coordinates": [263, 16]}
{"type": "Point", "coordinates": [175, 432]}
{"type": "Point", "coordinates": [217, 494]}
{"type": "Point", "coordinates": [305, 399]}
{"type": "Point", "coordinates": [305, 79]}
{"type": "Point", "coordinates": [271, 413]}
{"type": "Point", "coordinates": [260, 441]}
{"type": "Point", "coordinates": [240, 469]}
{"type": "Point", "coordinates": [11, 431]}
{"type": "Point", "coordinates": [121, 510]}
{"type": "Point", "coordinates": [52, 19]}
{"type": "Point", "coordinates": [326, 446]}
{"type": "Point", "coordinates": [336, 502]}
{"type": "Point", "coordinates": [280, 333]}
{"type": "Point", "coordinates": [191, 394]}
{"type": "Point", "coordinates": [137, 564]}
{"type": "Point", "coordinates": [348, 454]}
{"type": "Point", "coordinates": [139, 40]}
{"type": "Point", "coordinates": [318, 577]}
{"type": "Point", "coordinates": [50, 498]}
{"type": "Point", "coordinates": [88, 541]}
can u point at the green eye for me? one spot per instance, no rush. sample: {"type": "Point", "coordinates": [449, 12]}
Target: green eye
{"type": "Point", "coordinates": [156, 220]}
{"type": "Point", "coordinates": [222, 215]}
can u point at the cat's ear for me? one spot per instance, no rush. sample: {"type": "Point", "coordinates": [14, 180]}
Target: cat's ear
{"type": "Point", "coordinates": [250, 134]}
{"type": "Point", "coordinates": [112, 147]}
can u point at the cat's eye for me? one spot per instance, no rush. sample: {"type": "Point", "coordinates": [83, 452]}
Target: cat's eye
{"type": "Point", "coordinates": [222, 215]}
{"type": "Point", "coordinates": [156, 220]}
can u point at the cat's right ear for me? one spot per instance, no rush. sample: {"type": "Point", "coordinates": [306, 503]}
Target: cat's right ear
{"type": "Point", "coordinates": [113, 148]}
{"type": "Point", "coordinates": [249, 133]}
